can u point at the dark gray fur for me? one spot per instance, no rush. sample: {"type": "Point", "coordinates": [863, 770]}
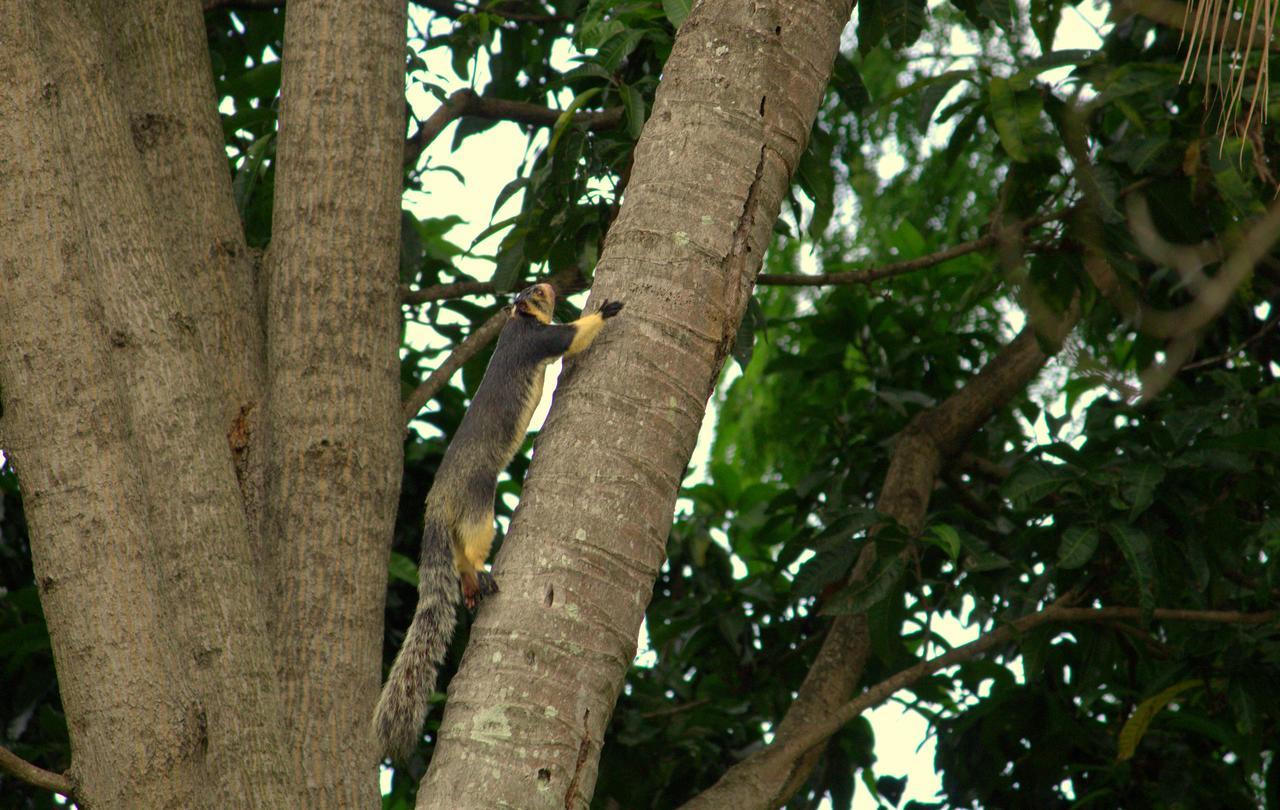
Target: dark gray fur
{"type": "Point", "coordinates": [493, 428]}
{"type": "Point", "coordinates": [463, 493]}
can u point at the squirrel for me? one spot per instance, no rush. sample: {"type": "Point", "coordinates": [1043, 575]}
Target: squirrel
{"type": "Point", "coordinates": [458, 525]}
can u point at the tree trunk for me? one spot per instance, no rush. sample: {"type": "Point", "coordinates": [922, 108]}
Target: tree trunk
{"type": "Point", "coordinates": [133, 364]}
{"type": "Point", "coordinates": [148, 539]}
{"type": "Point", "coordinates": [335, 434]}
{"type": "Point", "coordinates": [529, 706]}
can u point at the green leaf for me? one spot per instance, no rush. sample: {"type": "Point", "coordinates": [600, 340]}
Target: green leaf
{"type": "Point", "coordinates": [633, 103]}
{"type": "Point", "coordinates": [871, 24]}
{"type": "Point", "coordinates": [507, 191]}
{"type": "Point", "coordinates": [567, 116]}
{"type": "Point", "coordinates": [676, 11]}
{"type": "Point", "coordinates": [511, 265]}
{"type": "Point", "coordinates": [402, 568]}
{"type": "Point", "coordinates": [891, 788]}
{"type": "Point", "coordinates": [617, 48]}
{"type": "Point", "coordinates": [961, 136]}
{"type": "Point", "coordinates": [1051, 60]}
{"type": "Point", "coordinates": [933, 94]}
{"type": "Point", "coordinates": [1139, 486]}
{"type": "Point", "coordinates": [817, 180]}
{"type": "Point", "coordinates": [250, 170]}
{"type": "Point", "coordinates": [1136, 726]}
{"type": "Point", "coordinates": [944, 537]}
{"type": "Point", "coordinates": [1004, 115]}
{"type": "Point", "coordinates": [904, 20]}
{"type": "Point", "coordinates": [494, 228]}
{"type": "Point", "coordinates": [979, 556]}
{"type": "Point", "coordinates": [858, 597]}
{"type": "Point", "coordinates": [1077, 546]}
{"type": "Point", "coordinates": [745, 339]}
{"type": "Point", "coordinates": [847, 82]}
{"type": "Point", "coordinates": [1136, 548]}
{"type": "Point", "coordinates": [1030, 483]}
{"type": "Point", "coordinates": [827, 566]}
{"type": "Point", "coordinates": [999, 11]}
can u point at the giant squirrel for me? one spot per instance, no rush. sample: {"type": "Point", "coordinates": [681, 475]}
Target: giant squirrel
{"type": "Point", "coordinates": [458, 525]}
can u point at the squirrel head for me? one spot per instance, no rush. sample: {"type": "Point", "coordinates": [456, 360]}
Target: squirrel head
{"type": "Point", "coordinates": [538, 301]}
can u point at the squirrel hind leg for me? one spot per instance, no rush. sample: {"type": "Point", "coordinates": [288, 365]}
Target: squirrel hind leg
{"type": "Point", "coordinates": [486, 584]}
{"type": "Point", "coordinates": [476, 585]}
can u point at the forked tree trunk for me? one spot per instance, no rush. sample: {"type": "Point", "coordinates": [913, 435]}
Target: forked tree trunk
{"type": "Point", "coordinates": [213, 650]}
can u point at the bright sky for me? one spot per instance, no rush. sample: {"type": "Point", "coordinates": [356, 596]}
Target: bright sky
{"type": "Point", "coordinates": [489, 161]}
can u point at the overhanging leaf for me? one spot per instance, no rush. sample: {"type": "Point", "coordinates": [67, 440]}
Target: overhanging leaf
{"type": "Point", "coordinates": [1136, 548]}
{"type": "Point", "coordinates": [1004, 115]}
{"type": "Point", "coordinates": [402, 568]}
{"type": "Point", "coordinates": [944, 537]}
{"type": "Point", "coordinates": [904, 20]}
{"type": "Point", "coordinates": [250, 170]}
{"type": "Point", "coordinates": [861, 596]}
{"type": "Point", "coordinates": [1138, 723]}
{"type": "Point", "coordinates": [633, 103]}
{"type": "Point", "coordinates": [676, 11]}
{"type": "Point", "coordinates": [932, 95]}
{"type": "Point", "coordinates": [1077, 546]}
{"type": "Point", "coordinates": [1030, 484]}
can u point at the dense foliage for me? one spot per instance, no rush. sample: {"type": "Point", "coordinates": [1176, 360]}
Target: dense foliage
{"type": "Point", "coordinates": [941, 122]}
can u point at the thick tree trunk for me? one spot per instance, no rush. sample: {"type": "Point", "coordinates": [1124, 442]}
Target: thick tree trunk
{"type": "Point", "coordinates": [528, 709]}
{"type": "Point", "coordinates": [146, 538]}
{"type": "Point", "coordinates": [132, 363]}
{"type": "Point", "coordinates": [333, 417]}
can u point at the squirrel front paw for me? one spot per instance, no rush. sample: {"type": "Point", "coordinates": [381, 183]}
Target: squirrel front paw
{"type": "Point", "coordinates": [610, 308]}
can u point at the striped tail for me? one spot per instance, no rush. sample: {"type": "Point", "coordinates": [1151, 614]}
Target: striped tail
{"type": "Point", "coordinates": [402, 709]}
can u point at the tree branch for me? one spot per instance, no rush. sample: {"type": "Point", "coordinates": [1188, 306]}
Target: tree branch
{"type": "Point", "coordinates": [214, 5]}
{"type": "Point", "coordinates": [34, 775]}
{"type": "Point", "coordinates": [1060, 611]}
{"type": "Point", "coordinates": [1272, 319]}
{"type": "Point", "coordinates": [467, 102]}
{"type": "Point", "coordinates": [762, 780]}
{"type": "Point", "coordinates": [468, 348]}
{"type": "Point", "coordinates": [440, 292]}
{"type": "Point", "coordinates": [446, 8]}
{"type": "Point", "coordinates": [870, 274]}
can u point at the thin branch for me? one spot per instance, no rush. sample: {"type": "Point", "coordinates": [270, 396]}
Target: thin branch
{"type": "Point", "coordinates": [438, 379]}
{"type": "Point", "coordinates": [870, 274]}
{"type": "Point", "coordinates": [1267, 326]}
{"type": "Point", "coordinates": [214, 5]}
{"type": "Point", "coordinates": [988, 469]}
{"type": "Point", "coordinates": [1070, 614]}
{"type": "Point", "coordinates": [444, 8]}
{"type": "Point", "coordinates": [453, 11]}
{"type": "Point", "coordinates": [677, 709]}
{"type": "Point", "coordinates": [819, 732]}
{"type": "Point", "coordinates": [440, 292]}
{"type": "Point", "coordinates": [15, 765]}
{"type": "Point", "coordinates": [467, 102]}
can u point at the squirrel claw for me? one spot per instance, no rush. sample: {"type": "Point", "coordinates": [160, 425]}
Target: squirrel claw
{"type": "Point", "coordinates": [610, 308]}
{"type": "Point", "coordinates": [473, 591]}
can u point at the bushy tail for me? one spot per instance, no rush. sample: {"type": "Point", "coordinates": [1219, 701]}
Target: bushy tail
{"type": "Point", "coordinates": [403, 705]}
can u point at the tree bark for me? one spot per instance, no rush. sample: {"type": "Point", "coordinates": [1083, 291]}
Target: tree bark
{"type": "Point", "coordinates": [65, 434]}
{"type": "Point", "coordinates": [137, 525]}
{"type": "Point", "coordinates": [167, 90]}
{"type": "Point", "coordinates": [333, 417]}
{"type": "Point", "coordinates": [529, 706]}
